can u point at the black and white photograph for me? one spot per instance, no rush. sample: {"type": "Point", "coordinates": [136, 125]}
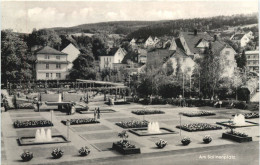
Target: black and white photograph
{"type": "Point", "coordinates": [135, 82]}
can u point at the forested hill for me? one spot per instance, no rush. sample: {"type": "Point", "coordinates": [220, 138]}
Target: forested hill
{"type": "Point", "coordinates": [117, 27]}
{"type": "Point", "coordinates": [202, 24]}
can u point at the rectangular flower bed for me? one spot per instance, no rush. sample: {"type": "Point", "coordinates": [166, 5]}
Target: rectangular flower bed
{"type": "Point", "coordinates": [133, 124]}
{"type": "Point", "coordinates": [32, 123]}
{"type": "Point", "coordinates": [81, 121]}
{"type": "Point", "coordinates": [197, 114]}
{"type": "Point", "coordinates": [23, 141]}
{"type": "Point", "coordinates": [147, 112]}
{"type": "Point", "coordinates": [126, 151]}
{"type": "Point", "coordinates": [236, 138]}
{"type": "Point", "coordinates": [250, 115]}
{"type": "Point", "coordinates": [198, 127]}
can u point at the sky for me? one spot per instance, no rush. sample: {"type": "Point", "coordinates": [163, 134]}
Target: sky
{"type": "Point", "coordinates": [26, 15]}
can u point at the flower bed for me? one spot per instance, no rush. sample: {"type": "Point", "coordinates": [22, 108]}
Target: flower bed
{"type": "Point", "coordinates": [26, 106]}
{"type": "Point", "coordinates": [196, 114]}
{"type": "Point", "coordinates": [133, 124]}
{"type": "Point", "coordinates": [236, 136]}
{"type": "Point", "coordinates": [251, 115]}
{"type": "Point", "coordinates": [125, 147]}
{"type": "Point", "coordinates": [81, 121]}
{"type": "Point", "coordinates": [147, 112]}
{"type": "Point", "coordinates": [32, 123]}
{"type": "Point", "coordinates": [198, 127]}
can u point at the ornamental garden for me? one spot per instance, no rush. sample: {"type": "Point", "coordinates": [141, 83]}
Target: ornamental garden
{"type": "Point", "coordinates": [42, 131]}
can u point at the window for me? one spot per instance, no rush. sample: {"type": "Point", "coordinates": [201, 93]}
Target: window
{"type": "Point", "coordinates": [227, 52]}
{"type": "Point", "coordinates": [57, 66]}
{"type": "Point", "coordinates": [254, 62]}
{"type": "Point", "coordinates": [58, 57]}
{"type": "Point", "coordinates": [47, 66]}
{"type": "Point", "coordinates": [47, 75]}
{"type": "Point", "coordinates": [189, 69]}
{"type": "Point", "coordinates": [58, 75]}
{"type": "Point", "coordinates": [248, 57]}
{"type": "Point", "coordinates": [248, 63]}
{"type": "Point", "coordinates": [51, 74]}
{"type": "Point", "coordinates": [47, 57]}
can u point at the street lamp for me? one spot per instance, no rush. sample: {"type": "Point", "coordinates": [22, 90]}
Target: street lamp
{"type": "Point", "coordinates": [68, 124]}
{"type": "Point", "coordinates": [51, 111]}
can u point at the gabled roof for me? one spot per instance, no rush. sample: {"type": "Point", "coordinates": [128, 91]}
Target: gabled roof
{"type": "Point", "coordinates": [218, 46]}
{"type": "Point", "coordinates": [180, 53]}
{"type": "Point", "coordinates": [129, 56]}
{"type": "Point", "coordinates": [50, 51]}
{"type": "Point", "coordinates": [237, 36]}
{"type": "Point", "coordinates": [112, 51]}
{"type": "Point", "coordinates": [192, 40]}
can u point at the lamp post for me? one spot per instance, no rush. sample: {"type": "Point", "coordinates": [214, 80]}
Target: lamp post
{"type": "Point", "coordinates": [51, 111]}
{"type": "Point", "coordinates": [68, 124]}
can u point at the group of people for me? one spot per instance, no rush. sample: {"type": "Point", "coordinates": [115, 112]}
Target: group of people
{"type": "Point", "coordinates": [97, 113]}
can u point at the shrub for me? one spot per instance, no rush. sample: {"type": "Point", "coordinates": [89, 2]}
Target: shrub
{"type": "Point", "coordinates": [57, 153]}
{"type": "Point", "coordinates": [84, 151]}
{"type": "Point", "coordinates": [161, 143]}
{"type": "Point", "coordinates": [185, 141]}
{"type": "Point", "coordinates": [27, 156]}
{"type": "Point", "coordinates": [207, 139]}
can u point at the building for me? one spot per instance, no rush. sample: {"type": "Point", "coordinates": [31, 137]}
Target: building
{"type": "Point", "coordinates": [241, 39]}
{"type": "Point", "coordinates": [72, 52]}
{"type": "Point", "coordinates": [149, 42]}
{"type": "Point", "coordinates": [227, 53]}
{"type": "Point", "coordinates": [112, 56]}
{"type": "Point", "coordinates": [252, 58]}
{"type": "Point", "coordinates": [193, 43]}
{"type": "Point", "coordinates": [51, 64]}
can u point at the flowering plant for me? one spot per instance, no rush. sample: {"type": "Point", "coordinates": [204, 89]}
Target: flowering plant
{"type": "Point", "coordinates": [185, 141]}
{"type": "Point", "coordinates": [32, 123]}
{"type": "Point", "coordinates": [237, 134]}
{"type": "Point", "coordinates": [84, 151]}
{"type": "Point", "coordinates": [147, 112]}
{"type": "Point", "coordinates": [198, 127]}
{"type": "Point", "coordinates": [81, 121]}
{"type": "Point", "coordinates": [27, 156]}
{"type": "Point", "coordinates": [207, 139]}
{"type": "Point", "coordinates": [125, 144]}
{"type": "Point", "coordinates": [133, 124]}
{"type": "Point", "coordinates": [161, 143]}
{"type": "Point", "coordinates": [57, 153]}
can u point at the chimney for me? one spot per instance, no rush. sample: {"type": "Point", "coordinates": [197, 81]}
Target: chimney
{"type": "Point", "coordinates": [195, 32]}
{"type": "Point", "coordinates": [215, 37]}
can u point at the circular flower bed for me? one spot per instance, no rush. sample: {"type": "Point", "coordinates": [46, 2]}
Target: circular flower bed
{"type": "Point", "coordinates": [147, 112]}
{"type": "Point", "coordinates": [185, 141]}
{"type": "Point", "coordinates": [32, 123]}
{"type": "Point", "coordinates": [81, 121]}
{"type": "Point", "coordinates": [198, 127]}
{"type": "Point", "coordinates": [207, 139]}
{"type": "Point", "coordinates": [133, 124]}
{"type": "Point", "coordinates": [84, 151]}
{"type": "Point", "coordinates": [161, 143]}
{"type": "Point", "coordinates": [57, 153]}
{"type": "Point", "coordinates": [27, 156]}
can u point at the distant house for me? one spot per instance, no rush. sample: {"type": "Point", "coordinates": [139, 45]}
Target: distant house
{"type": "Point", "coordinates": [112, 56]}
{"type": "Point", "coordinates": [149, 42]}
{"type": "Point", "coordinates": [180, 58]}
{"type": "Point", "coordinates": [51, 64]}
{"type": "Point", "coordinates": [228, 53]}
{"type": "Point", "coordinates": [133, 42]}
{"type": "Point", "coordinates": [250, 34]}
{"type": "Point", "coordinates": [252, 58]}
{"type": "Point", "coordinates": [72, 52]}
{"type": "Point", "coordinates": [193, 43]}
{"type": "Point", "coordinates": [241, 39]}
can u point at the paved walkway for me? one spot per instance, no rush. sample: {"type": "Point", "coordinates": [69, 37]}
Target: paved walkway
{"type": "Point", "coordinates": [99, 137]}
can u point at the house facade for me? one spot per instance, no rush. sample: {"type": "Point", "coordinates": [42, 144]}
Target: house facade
{"type": "Point", "coordinates": [51, 64]}
{"type": "Point", "coordinates": [252, 58]}
{"type": "Point", "coordinates": [241, 39]}
{"type": "Point", "coordinates": [72, 52]}
{"type": "Point", "coordinates": [113, 56]}
{"type": "Point", "coordinates": [149, 42]}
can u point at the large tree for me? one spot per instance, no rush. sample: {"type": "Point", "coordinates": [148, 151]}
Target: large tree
{"type": "Point", "coordinates": [83, 68]}
{"type": "Point", "coordinates": [16, 61]}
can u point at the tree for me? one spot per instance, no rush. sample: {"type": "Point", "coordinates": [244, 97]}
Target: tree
{"type": "Point", "coordinates": [83, 68]}
{"type": "Point", "coordinates": [241, 61]}
{"type": "Point", "coordinates": [16, 61]}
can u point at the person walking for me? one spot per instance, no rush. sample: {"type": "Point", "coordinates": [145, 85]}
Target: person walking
{"type": "Point", "coordinates": [95, 114]}
{"type": "Point", "coordinates": [98, 113]}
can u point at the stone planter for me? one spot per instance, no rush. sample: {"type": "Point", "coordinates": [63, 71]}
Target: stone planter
{"type": "Point", "coordinates": [236, 138]}
{"type": "Point", "coordinates": [126, 151]}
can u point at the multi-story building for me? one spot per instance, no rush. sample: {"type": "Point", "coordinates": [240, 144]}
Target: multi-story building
{"type": "Point", "coordinates": [252, 58]}
{"type": "Point", "coordinates": [51, 64]}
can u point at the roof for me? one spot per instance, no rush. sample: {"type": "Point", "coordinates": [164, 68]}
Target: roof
{"type": "Point", "coordinates": [180, 53]}
{"type": "Point", "coordinates": [159, 54]}
{"type": "Point", "coordinates": [217, 46]}
{"type": "Point", "coordinates": [49, 50]}
{"type": "Point", "coordinates": [129, 56]}
{"type": "Point", "coordinates": [237, 36]}
{"type": "Point", "coordinates": [192, 40]}
{"type": "Point", "coordinates": [112, 51]}
{"type": "Point", "coordinates": [252, 52]}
